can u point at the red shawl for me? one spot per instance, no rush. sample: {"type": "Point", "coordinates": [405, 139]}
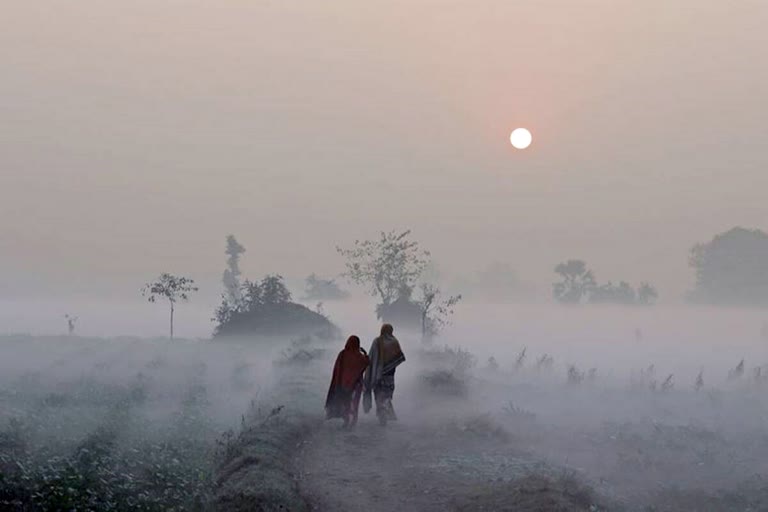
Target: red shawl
{"type": "Point", "coordinates": [347, 372]}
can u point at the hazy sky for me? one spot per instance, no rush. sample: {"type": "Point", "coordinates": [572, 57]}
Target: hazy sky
{"type": "Point", "coordinates": [135, 135]}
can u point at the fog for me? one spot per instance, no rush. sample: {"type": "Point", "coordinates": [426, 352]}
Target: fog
{"type": "Point", "coordinates": [288, 123]}
{"type": "Point", "coordinates": [616, 428]}
{"type": "Point", "coordinates": [135, 138]}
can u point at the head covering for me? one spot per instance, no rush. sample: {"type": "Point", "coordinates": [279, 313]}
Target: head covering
{"type": "Point", "coordinates": [353, 343]}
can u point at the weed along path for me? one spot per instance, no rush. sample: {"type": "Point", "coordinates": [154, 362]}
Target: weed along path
{"type": "Point", "coordinates": [409, 466]}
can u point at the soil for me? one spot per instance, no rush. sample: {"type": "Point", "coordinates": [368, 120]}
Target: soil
{"type": "Point", "coordinates": [420, 467]}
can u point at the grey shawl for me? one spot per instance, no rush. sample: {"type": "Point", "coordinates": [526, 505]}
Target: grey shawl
{"type": "Point", "coordinates": [388, 345]}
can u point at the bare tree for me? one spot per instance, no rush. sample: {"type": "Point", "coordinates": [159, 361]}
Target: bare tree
{"type": "Point", "coordinates": [169, 287]}
{"type": "Point", "coordinates": [71, 321]}
{"type": "Point", "coordinates": [435, 311]}
{"type": "Point", "coordinates": [387, 265]}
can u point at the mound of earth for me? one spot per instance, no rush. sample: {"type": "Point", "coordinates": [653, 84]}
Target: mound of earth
{"type": "Point", "coordinates": [278, 319]}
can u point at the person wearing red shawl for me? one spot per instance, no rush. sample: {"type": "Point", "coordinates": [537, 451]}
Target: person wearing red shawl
{"type": "Point", "coordinates": [346, 388]}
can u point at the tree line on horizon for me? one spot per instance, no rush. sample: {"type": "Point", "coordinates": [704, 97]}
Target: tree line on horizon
{"type": "Point", "coordinates": [577, 284]}
{"type": "Point", "coordinates": [730, 269]}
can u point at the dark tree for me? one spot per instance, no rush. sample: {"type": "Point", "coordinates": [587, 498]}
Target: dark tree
{"type": "Point", "coordinates": [232, 298]}
{"type": "Point", "coordinates": [251, 291]}
{"type": "Point", "coordinates": [403, 311]}
{"type": "Point", "coordinates": [274, 291]}
{"type": "Point", "coordinates": [609, 293]}
{"type": "Point", "coordinates": [270, 290]}
{"type": "Point", "coordinates": [577, 282]}
{"type": "Point", "coordinates": [646, 294]}
{"type": "Point", "coordinates": [169, 287]}
{"type": "Point", "coordinates": [231, 276]}
{"type": "Point", "coordinates": [732, 268]}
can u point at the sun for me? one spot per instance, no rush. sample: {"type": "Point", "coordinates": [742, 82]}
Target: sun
{"type": "Point", "coordinates": [520, 138]}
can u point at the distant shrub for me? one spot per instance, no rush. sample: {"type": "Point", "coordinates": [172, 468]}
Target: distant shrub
{"type": "Point", "coordinates": [446, 382]}
{"type": "Point", "coordinates": [453, 359]}
{"type": "Point", "coordinates": [520, 361]}
{"type": "Point", "coordinates": [545, 362]}
{"type": "Point", "coordinates": [266, 309]}
{"type": "Point", "coordinates": [737, 372]}
{"type": "Point", "coordinates": [574, 375]}
{"type": "Point", "coordinates": [451, 366]}
{"type": "Point", "coordinates": [668, 384]}
{"type": "Point", "coordinates": [699, 381]}
{"type": "Point", "coordinates": [518, 413]}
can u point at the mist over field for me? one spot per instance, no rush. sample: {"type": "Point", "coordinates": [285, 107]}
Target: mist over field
{"type": "Point", "coordinates": [558, 206]}
{"type": "Point", "coordinates": [615, 417]}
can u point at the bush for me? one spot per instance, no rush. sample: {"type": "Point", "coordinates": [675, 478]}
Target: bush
{"type": "Point", "coordinates": [451, 367]}
{"type": "Point", "coordinates": [266, 310]}
{"type": "Point", "coordinates": [453, 359]}
{"type": "Point", "coordinates": [446, 382]}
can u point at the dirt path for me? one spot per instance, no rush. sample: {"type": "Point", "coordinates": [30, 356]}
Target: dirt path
{"type": "Point", "coordinates": [372, 468]}
{"type": "Point", "coordinates": [405, 466]}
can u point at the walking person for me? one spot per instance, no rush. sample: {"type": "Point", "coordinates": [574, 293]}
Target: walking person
{"type": "Point", "coordinates": [385, 356]}
{"type": "Point", "coordinates": [343, 400]}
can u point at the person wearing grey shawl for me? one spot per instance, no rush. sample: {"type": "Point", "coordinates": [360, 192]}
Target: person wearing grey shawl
{"type": "Point", "coordinates": [386, 355]}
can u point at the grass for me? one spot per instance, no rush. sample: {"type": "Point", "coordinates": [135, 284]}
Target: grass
{"type": "Point", "coordinates": [103, 425]}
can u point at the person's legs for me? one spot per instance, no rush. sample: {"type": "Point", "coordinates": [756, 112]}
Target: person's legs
{"type": "Point", "coordinates": [344, 399]}
{"type": "Point", "coordinates": [355, 405]}
{"type": "Point", "coordinates": [379, 395]}
{"type": "Point", "coordinates": [383, 393]}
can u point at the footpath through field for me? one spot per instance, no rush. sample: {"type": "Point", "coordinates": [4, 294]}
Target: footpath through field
{"type": "Point", "coordinates": [407, 466]}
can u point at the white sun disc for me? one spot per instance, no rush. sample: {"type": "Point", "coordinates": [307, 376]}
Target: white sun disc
{"type": "Point", "coordinates": [520, 138]}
